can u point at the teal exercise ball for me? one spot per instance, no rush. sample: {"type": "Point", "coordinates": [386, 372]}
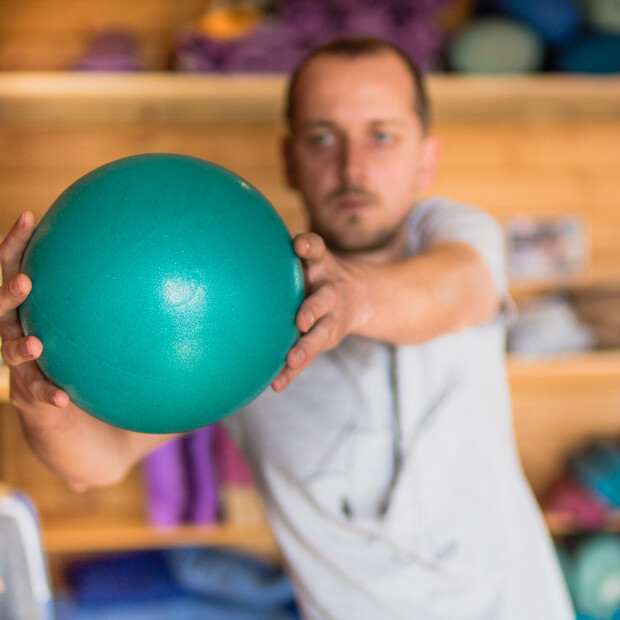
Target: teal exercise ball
{"type": "Point", "coordinates": [164, 290]}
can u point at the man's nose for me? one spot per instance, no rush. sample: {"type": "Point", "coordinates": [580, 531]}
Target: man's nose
{"type": "Point", "coordinates": [352, 163]}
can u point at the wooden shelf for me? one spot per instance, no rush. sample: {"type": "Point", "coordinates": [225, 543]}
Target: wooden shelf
{"type": "Point", "coordinates": [582, 363]}
{"type": "Point", "coordinates": [90, 533]}
{"type": "Point", "coordinates": [610, 276]}
{"type": "Point", "coordinates": [93, 535]}
{"type": "Point", "coordinates": [73, 97]}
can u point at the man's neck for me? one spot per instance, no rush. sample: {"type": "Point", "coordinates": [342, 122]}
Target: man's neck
{"type": "Point", "coordinates": [394, 252]}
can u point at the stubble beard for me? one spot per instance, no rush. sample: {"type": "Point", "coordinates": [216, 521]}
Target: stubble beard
{"type": "Point", "coordinates": [366, 244]}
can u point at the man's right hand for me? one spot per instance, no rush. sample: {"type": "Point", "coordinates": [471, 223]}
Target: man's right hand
{"type": "Point", "coordinates": [29, 387]}
{"type": "Point", "coordinates": [82, 449]}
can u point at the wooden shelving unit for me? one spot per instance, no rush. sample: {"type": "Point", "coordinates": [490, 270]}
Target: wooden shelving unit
{"type": "Point", "coordinates": [541, 145]}
{"type": "Point", "coordinates": [91, 532]}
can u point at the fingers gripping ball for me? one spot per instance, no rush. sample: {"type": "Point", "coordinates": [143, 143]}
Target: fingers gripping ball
{"type": "Point", "coordinates": [165, 290]}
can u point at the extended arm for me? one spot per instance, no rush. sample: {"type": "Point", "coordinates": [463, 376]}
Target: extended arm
{"type": "Point", "coordinates": [81, 449]}
{"type": "Point", "coordinates": [444, 289]}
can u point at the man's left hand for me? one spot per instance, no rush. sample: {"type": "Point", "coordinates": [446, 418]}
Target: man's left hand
{"type": "Point", "coordinates": [333, 307]}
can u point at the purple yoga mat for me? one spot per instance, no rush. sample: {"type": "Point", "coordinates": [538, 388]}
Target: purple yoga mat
{"type": "Point", "coordinates": [165, 487]}
{"type": "Point", "coordinates": [202, 500]}
{"type": "Point", "coordinates": [180, 481]}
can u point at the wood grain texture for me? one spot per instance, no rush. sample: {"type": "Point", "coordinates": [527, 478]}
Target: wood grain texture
{"type": "Point", "coordinates": [514, 147]}
{"type": "Point", "coordinates": [52, 34]}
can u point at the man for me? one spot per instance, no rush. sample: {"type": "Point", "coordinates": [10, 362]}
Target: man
{"type": "Point", "coordinates": [388, 464]}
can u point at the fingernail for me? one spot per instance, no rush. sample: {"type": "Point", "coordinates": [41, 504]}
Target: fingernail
{"type": "Point", "coordinates": [60, 400]}
{"type": "Point", "coordinates": [300, 356]}
{"type": "Point", "coordinates": [309, 319]}
{"type": "Point", "coordinates": [16, 286]}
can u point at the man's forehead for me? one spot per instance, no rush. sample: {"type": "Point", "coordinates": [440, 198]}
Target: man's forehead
{"type": "Point", "coordinates": [380, 83]}
{"type": "Point", "coordinates": [325, 67]}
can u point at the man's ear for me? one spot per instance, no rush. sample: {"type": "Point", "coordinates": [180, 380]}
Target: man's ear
{"type": "Point", "coordinates": [290, 170]}
{"type": "Point", "coordinates": [429, 163]}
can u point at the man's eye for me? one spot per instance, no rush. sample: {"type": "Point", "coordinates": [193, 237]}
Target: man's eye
{"type": "Point", "coordinates": [322, 139]}
{"type": "Point", "coordinates": [383, 137]}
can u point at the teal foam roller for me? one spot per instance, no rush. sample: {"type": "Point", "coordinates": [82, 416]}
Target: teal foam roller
{"type": "Point", "coordinates": [496, 45]}
{"type": "Point", "coordinates": [603, 15]}
{"type": "Point", "coordinates": [594, 53]}
{"type": "Point", "coordinates": [567, 566]}
{"type": "Point", "coordinates": [164, 290]}
{"type": "Point", "coordinates": [557, 21]}
{"type": "Point", "coordinates": [597, 576]}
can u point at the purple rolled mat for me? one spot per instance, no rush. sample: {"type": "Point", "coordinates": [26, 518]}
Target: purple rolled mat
{"type": "Point", "coordinates": [197, 52]}
{"type": "Point", "coordinates": [180, 481]}
{"type": "Point", "coordinates": [268, 49]}
{"type": "Point", "coordinates": [307, 17]}
{"type": "Point", "coordinates": [165, 487]}
{"type": "Point", "coordinates": [422, 40]}
{"type": "Point", "coordinates": [232, 468]}
{"type": "Point", "coordinates": [371, 21]}
{"type": "Point", "coordinates": [114, 49]}
{"type": "Point", "coordinates": [279, 43]}
{"type": "Point", "coordinates": [202, 498]}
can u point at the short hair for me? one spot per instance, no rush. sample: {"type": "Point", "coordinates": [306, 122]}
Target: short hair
{"type": "Point", "coordinates": [360, 47]}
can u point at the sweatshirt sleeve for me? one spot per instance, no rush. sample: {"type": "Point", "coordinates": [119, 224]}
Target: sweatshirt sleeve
{"type": "Point", "coordinates": [441, 219]}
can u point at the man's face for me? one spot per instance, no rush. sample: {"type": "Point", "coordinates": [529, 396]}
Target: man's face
{"type": "Point", "coordinates": [357, 152]}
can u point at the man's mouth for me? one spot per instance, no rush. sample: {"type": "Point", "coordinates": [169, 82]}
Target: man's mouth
{"type": "Point", "coordinates": [352, 201]}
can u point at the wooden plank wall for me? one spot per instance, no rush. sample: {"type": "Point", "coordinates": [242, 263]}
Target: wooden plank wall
{"type": "Point", "coordinates": [511, 164]}
{"type": "Point", "coordinates": [560, 405]}
{"type": "Point", "coordinates": [39, 162]}
{"type": "Point", "coordinates": [509, 167]}
{"type": "Point", "coordinates": [53, 34]}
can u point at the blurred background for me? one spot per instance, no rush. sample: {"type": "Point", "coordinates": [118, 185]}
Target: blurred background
{"type": "Point", "coordinates": [469, 36]}
{"type": "Point", "coordinates": [526, 99]}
